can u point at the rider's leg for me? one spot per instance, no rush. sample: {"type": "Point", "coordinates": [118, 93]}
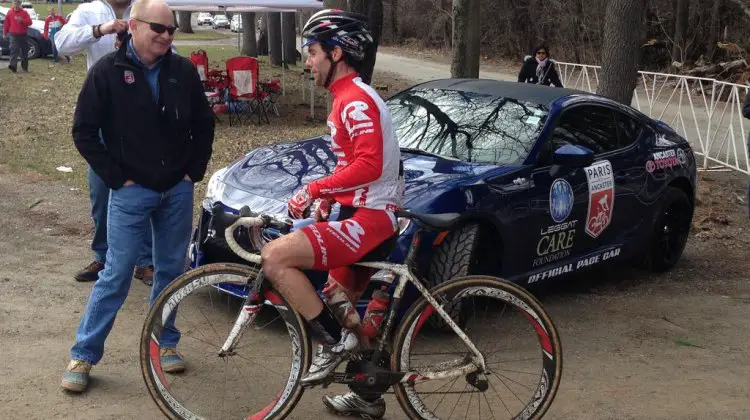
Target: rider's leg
{"type": "Point", "coordinates": [283, 260]}
{"type": "Point", "coordinates": [353, 281]}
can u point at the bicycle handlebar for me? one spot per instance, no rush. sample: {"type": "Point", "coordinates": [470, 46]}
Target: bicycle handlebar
{"type": "Point", "coordinates": [246, 219]}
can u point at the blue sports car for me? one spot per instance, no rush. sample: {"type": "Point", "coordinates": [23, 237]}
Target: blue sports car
{"type": "Point", "coordinates": [549, 182]}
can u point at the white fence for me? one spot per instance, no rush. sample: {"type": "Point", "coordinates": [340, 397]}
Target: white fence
{"type": "Point", "coordinates": [707, 112]}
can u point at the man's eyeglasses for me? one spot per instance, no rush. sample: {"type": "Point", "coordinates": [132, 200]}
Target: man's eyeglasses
{"type": "Point", "coordinates": [159, 28]}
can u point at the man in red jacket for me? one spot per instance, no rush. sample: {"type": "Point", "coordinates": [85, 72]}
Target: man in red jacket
{"type": "Point", "coordinates": [17, 23]}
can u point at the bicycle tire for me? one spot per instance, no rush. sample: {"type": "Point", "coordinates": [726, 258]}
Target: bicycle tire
{"type": "Point", "coordinates": [188, 282]}
{"type": "Point", "coordinates": [417, 315]}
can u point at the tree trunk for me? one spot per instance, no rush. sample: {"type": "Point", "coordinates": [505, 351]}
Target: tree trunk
{"type": "Point", "coordinates": [357, 6]}
{"type": "Point", "coordinates": [375, 17]}
{"type": "Point", "coordinates": [621, 53]}
{"type": "Point", "coordinates": [249, 44]}
{"type": "Point", "coordinates": [335, 4]}
{"type": "Point", "coordinates": [394, 22]}
{"type": "Point", "coordinates": [274, 34]}
{"type": "Point", "coordinates": [289, 35]}
{"type": "Point", "coordinates": [186, 25]}
{"type": "Point", "coordinates": [680, 31]}
{"type": "Point", "coordinates": [465, 61]}
{"type": "Point", "coordinates": [263, 38]}
{"type": "Point", "coordinates": [713, 32]}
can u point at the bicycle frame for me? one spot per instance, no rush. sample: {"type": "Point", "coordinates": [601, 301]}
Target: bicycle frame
{"type": "Point", "coordinates": [254, 302]}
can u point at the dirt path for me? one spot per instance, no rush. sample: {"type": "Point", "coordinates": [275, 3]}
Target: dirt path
{"type": "Point", "coordinates": [635, 345]}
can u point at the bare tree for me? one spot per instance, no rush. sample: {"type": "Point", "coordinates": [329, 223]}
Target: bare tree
{"type": "Point", "coordinates": [682, 14]}
{"type": "Point", "coordinates": [465, 61]}
{"type": "Point", "coordinates": [625, 30]}
{"type": "Point", "coordinates": [249, 43]}
{"type": "Point", "coordinates": [289, 35]}
{"type": "Point", "coordinates": [274, 35]}
{"type": "Point", "coordinates": [375, 18]}
{"type": "Point", "coordinates": [713, 31]}
{"type": "Point", "coordinates": [186, 25]}
{"type": "Point", "coordinates": [394, 21]}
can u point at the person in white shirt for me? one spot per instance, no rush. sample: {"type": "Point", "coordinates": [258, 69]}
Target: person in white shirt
{"type": "Point", "coordinates": [93, 28]}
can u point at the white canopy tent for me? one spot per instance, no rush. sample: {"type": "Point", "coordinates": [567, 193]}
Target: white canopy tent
{"type": "Point", "coordinates": [256, 6]}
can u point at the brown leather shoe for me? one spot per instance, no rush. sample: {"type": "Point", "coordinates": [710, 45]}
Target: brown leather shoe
{"type": "Point", "coordinates": [145, 274]}
{"type": "Point", "coordinates": [91, 272]}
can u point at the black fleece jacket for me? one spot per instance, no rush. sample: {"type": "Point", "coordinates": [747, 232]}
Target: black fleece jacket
{"type": "Point", "coordinates": [155, 144]}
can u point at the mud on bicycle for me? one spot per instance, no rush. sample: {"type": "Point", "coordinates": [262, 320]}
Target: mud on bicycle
{"type": "Point", "coordinates": [507, 364]}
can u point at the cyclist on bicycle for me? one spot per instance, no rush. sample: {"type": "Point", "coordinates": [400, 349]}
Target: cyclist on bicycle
{"type": "Point", "coordinates": [368, 184]}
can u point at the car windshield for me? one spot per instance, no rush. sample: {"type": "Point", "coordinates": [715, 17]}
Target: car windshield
{"type": "Point", "coordinates": [473, 127]}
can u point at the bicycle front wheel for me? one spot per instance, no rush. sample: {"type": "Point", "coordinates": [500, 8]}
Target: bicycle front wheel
{"type": "Point", "coordinates": [519, 342]}
{"type": "Point", "coordinates": [258, 379]}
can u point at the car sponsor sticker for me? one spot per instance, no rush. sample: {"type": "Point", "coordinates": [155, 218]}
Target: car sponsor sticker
{"type": "Point", "coordinates": [573, 266]}
{"type": "Point", "coordinates": [560, 200]}
{"type": "Point", "coordinates": [129, 77]}
{"type": "Point", "coordinates": [665, 159]}
{"type": "Point", "coordinates": [555, 243]}
{"type": "Point", "coordinates": [601, 197]}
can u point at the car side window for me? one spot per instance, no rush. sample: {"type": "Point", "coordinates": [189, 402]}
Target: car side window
{"type": "Point", "coordinates": [628, 129]}
{"type": "Point", "coordinates": [589, 126]}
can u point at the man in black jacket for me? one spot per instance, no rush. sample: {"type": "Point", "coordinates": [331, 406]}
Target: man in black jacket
{"type": "Point", "coordinates": [158, 130]}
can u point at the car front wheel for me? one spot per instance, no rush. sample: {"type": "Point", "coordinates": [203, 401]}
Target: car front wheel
{"type": "Point", "coordinates": [455, 257]}
{"type": "Point", "coordinates": [35, 50]}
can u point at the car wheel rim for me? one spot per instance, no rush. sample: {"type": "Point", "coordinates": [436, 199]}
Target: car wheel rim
{"type": "Point", "coordinates": [673, 231]}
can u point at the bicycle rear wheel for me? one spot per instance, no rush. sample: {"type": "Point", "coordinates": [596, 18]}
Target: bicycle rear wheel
{"type": "Point", "coordinates": [517, 338]}
{"type": "Point", "coordinates": [258, 380]}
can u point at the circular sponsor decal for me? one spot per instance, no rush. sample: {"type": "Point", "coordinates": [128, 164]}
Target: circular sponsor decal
{"type": "Point", "coordinates": [560, 200]}
{"type": "Point", "coordinates": [681, 156]}
{"type": "Point", "coordinates": [650, 166]}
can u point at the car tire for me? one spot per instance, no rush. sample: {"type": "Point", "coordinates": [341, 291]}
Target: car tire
{"type": "Point", "coordinates": [670, 232]}
{"type": "Point", "coordinates": [35, 49]}
{"type": "Point", "coordinates": [455, 257]}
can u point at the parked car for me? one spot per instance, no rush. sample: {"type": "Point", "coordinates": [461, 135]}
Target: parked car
{"type": "Point", "coordinates": [38, 46]}
{"type": "Point", "coordinates": [236, 24]}
{"type": "Point", "coordinates": [549, 182]}
{"type": "Point", "coordinates": [30, 10]}
{"type": "Point", "coordinates": [205, 18]}
{"type": "Point", "coordinates": [220, 21]}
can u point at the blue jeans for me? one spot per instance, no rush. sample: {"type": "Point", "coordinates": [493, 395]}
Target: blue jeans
{"type": "Point", "coordinates": [130, 208]}
{"type": "Point", "coordinates": [99, 195]}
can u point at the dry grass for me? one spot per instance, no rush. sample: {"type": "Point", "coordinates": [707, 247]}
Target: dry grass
{"type": "Point", "coordinates": [38, 107]}
{"type": "Point", "coordinates": [208, 35]}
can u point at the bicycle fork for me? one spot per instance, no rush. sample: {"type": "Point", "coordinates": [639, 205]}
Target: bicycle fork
{"type": "Point", "coordinates": [250, 309]}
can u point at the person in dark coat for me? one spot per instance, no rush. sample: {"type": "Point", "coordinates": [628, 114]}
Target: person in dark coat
{"type": "Point", "coordinates": [539, 69]}
{"type": "Point", "coordinates": [746, 114]}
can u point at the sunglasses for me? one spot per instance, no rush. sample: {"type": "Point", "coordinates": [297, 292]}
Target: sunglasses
{"type": "Point", "coordinates": [541, 53]}
{"type": "Point", "coordinates": [159, 28]}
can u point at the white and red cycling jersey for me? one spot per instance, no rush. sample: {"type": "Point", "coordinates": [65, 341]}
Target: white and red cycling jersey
{"type": "Point", "coordinates": [368, 177]}
{"type": "Point", "coordinates": [367, 172]}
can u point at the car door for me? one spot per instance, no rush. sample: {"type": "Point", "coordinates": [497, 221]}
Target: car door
{"type": "Point", "coordinates": [577, 212]}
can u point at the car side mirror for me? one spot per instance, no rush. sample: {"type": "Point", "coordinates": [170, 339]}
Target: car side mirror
{"type": "Point", "coordinates": [571, 156]}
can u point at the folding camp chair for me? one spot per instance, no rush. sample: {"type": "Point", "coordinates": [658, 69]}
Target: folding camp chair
{"type": "Point", "coordinates": [243, 96]}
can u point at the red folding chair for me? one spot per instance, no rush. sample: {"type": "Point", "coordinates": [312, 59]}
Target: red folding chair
{"type": "Point", "coordinates": [244, 98]}
{"type": "Point", "coordinates": [200, 61]}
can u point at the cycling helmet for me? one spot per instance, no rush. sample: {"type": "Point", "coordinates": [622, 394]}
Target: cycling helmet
{"type": "Point", "coordinates": [337, 27]}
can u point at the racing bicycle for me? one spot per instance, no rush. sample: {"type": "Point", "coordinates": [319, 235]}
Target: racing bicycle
{"type": "Point", "coordinates": [506, 363]}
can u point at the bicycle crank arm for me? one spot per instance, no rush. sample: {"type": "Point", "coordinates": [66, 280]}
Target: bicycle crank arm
{"type": "Point", "coordinates": [246, 317]}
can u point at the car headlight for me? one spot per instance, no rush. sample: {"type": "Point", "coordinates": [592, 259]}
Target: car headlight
{"type": "Point", "coordinates": [216, 185]}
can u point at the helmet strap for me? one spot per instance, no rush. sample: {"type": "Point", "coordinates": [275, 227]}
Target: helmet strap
{"type": "Point", "coordinates": [331, 70]}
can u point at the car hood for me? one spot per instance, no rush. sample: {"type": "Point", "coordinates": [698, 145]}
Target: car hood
{"type": "Point", "coordinates": [266, 178]}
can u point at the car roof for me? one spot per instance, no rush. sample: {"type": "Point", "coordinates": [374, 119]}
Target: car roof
{"type": "Point", "coordinates": [527, 92]}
